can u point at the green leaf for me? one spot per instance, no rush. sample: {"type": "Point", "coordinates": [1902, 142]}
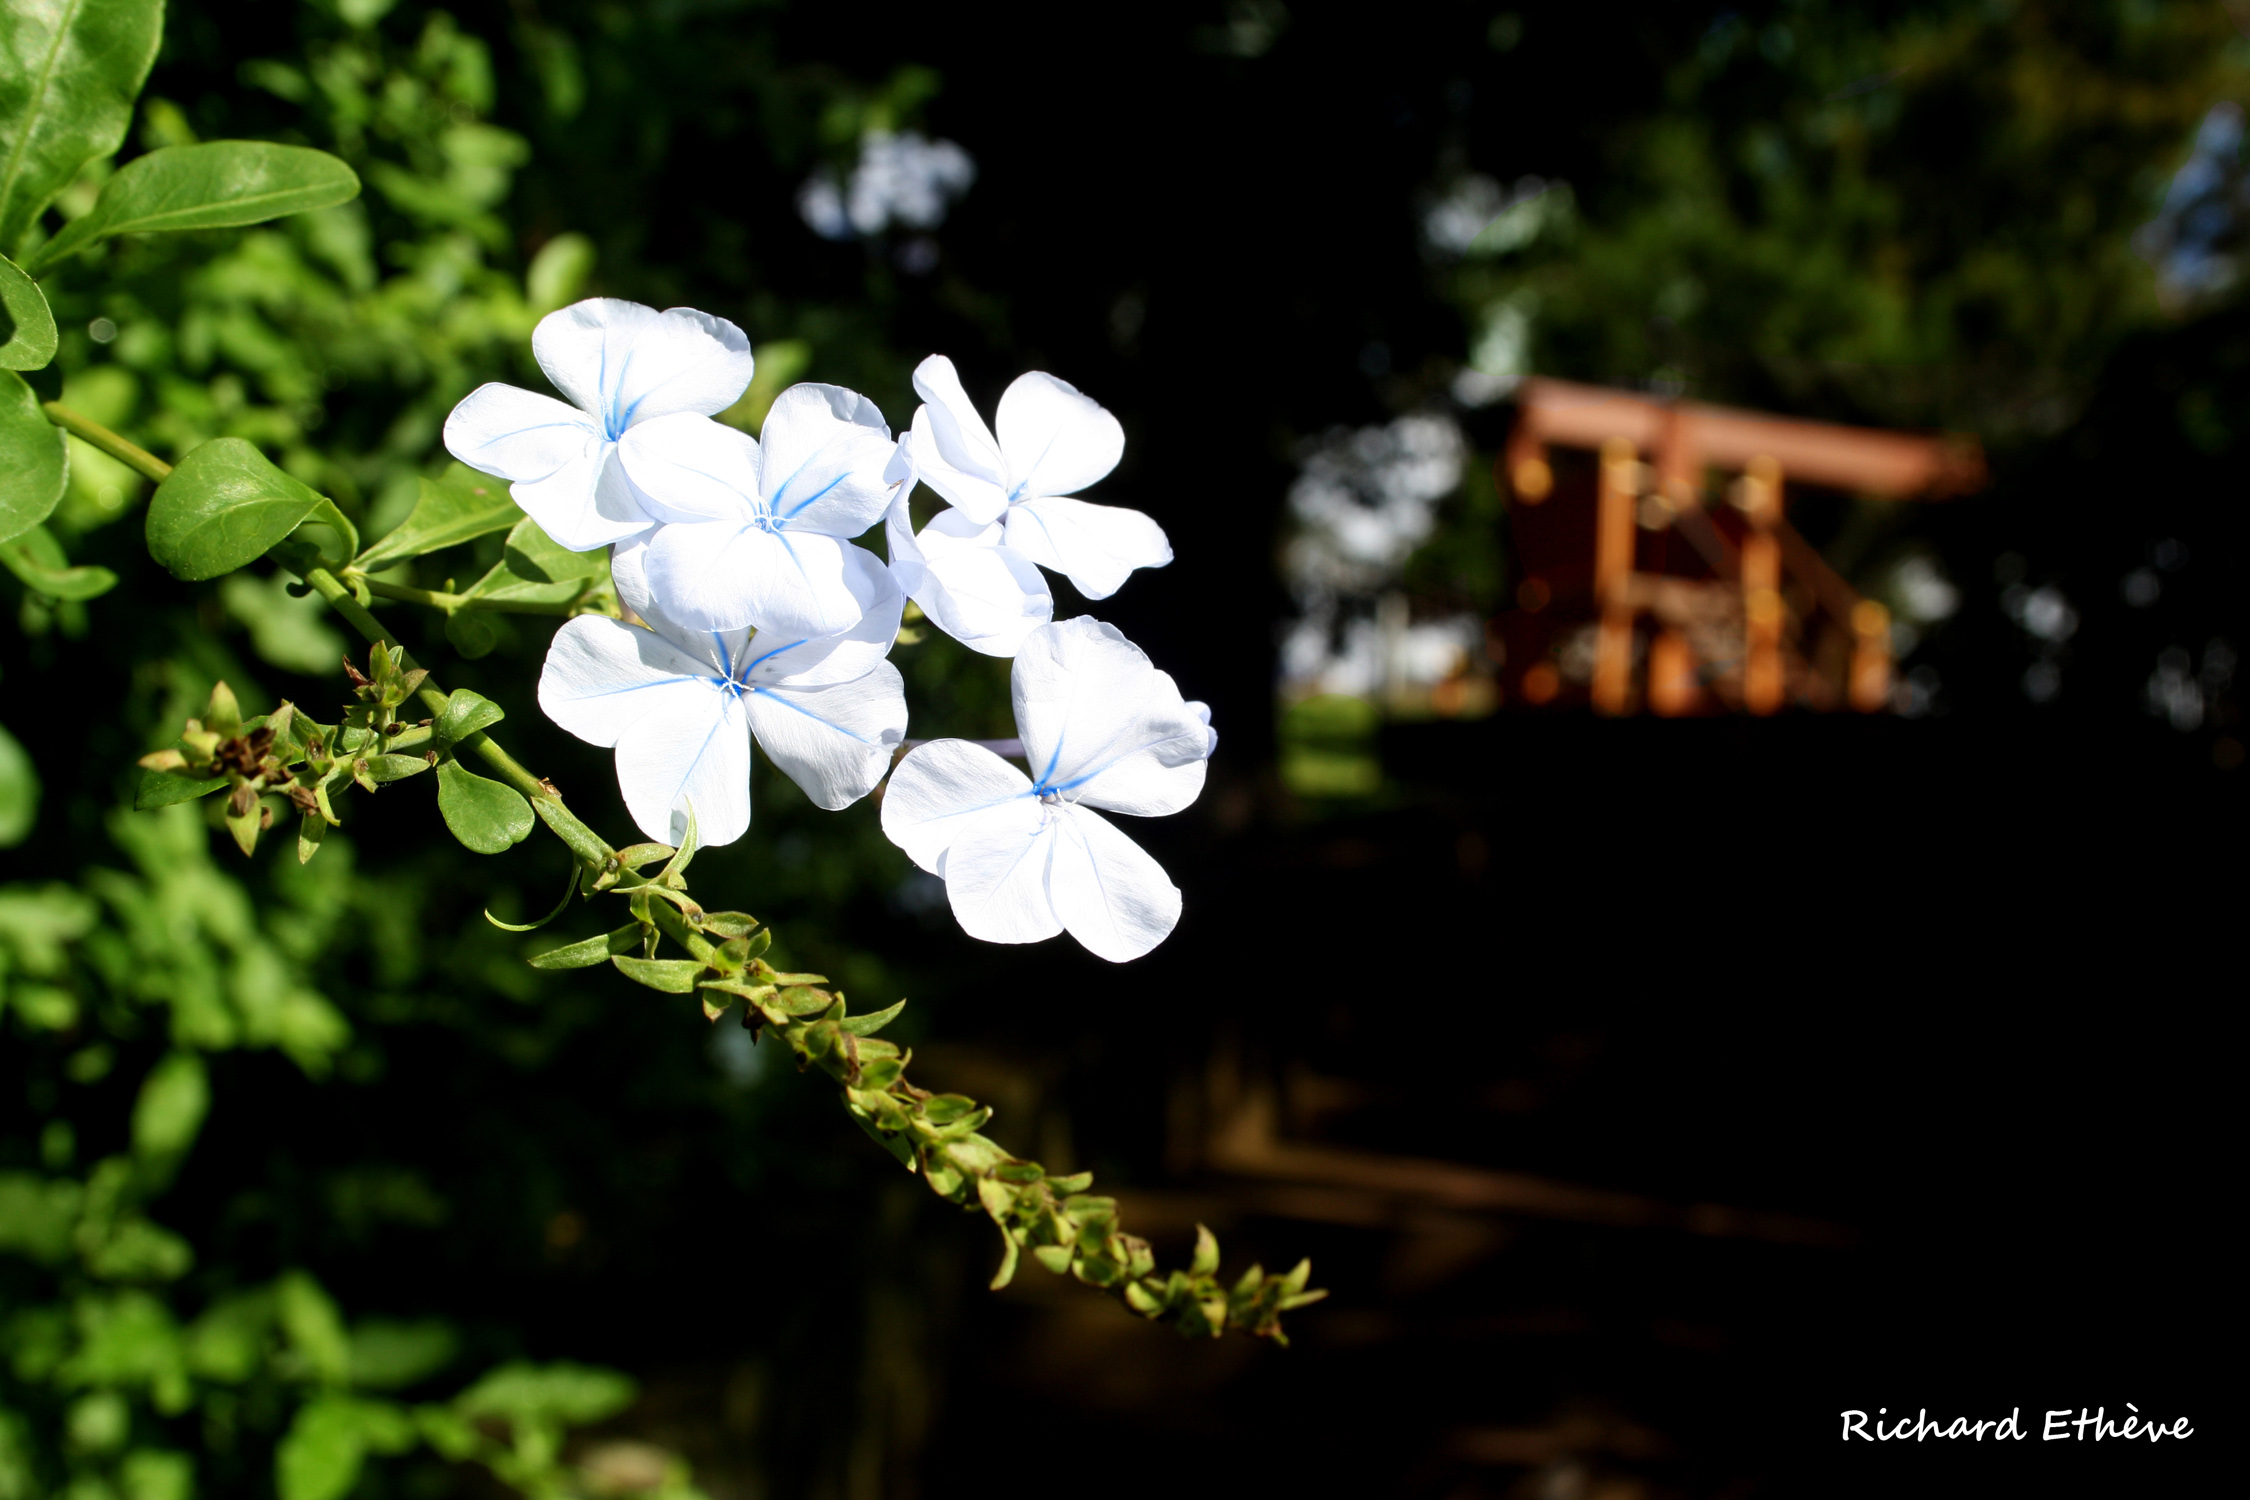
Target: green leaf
{"type": "Point", "coordinates": [154, 1474]}
{"type": "Point", "coordinates": [216, 185]}
{"type": "Point", "coordinates": [590, 952]}
{"type": "Point", "coordinates": [472, 635]}
{"type": "Point", "coordinates": [223, 507]}
{"type": "Point", "coordinates": [535, 570]}
{"type": "Point", "coordinates": [30, 329]}
{"type": "Point", "coordinates": [37, 1216]}
{"type": "Point", "coordinates": [69, 70]}
{"type": "Point", "coordinates": [674, 976]}
{"type": "Point", "coordinates": [456, 507]}
{"type": "Point", "coordinates": [37, 558]}
{"type": "Point", "coordinates": [163, 788]}
{"type": "Point", "coordinates": [19, 791]}
{"type": "Point", "coordinates": [868, 1025]}
{"type": "Point", "coordinates": [382, 768]}
{"type": "Point", "coordinates": [34, 463]}
{"type": "Point", "coordinates": [170, 1110]}
{"type": "Point", "coordinates": [387, 1354]}
{"type": "Point", "coordinates": [483, 814]}
{"type": "Point", "coordinates": [321, 1456]}
{"type": "Point", "coordinates": [465, 714]}
{"type": "Point", "coordinates": [559, 1392]}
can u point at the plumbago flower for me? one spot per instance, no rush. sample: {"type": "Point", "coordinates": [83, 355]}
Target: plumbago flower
{"type": "Point", "coordinates": [622, 365]}
{"type": "Point", "coordinates": [1024, 859]}
{"type": "Point", "coordinates": [1053, 443]}
{"type": "Point", "coordinates": [971, 584]}
{"type": "Point", "coordinates": [756, 529]}
{"type": "Point", "coordinates": [681, 705]}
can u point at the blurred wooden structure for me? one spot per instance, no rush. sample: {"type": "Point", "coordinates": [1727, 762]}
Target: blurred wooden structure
{"type": "Point", "coordinates": [1743, 615]}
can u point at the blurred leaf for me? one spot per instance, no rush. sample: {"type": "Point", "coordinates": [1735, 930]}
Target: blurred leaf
{"type": "Point", "coordinates": [559, 1392]}
{"type": "Point", "coordinates": [38, 559]}
{"type": "Point", "coordinates": [290, 632]}
{"type": "Point", "coordinates": [19, 791]}
{"type": "Point", "coordinates": [558, 273]}
{"type": "Point", "coordinates": [228, 1343]}
{"type": "Point", "coordinates": [473, 635]}
{"type": "Point", "coordinates": [172, 1103]}
{"type": "Point", "coordinates": [137, 1250]}
{"type": "Point", "coordinates": [34, 462]}
{"type": "Point", "coordinates": [315, 1329]}
{"type": "Point", "coordinates": [217, 185]}
{"type": "Point", "coordinates": [483, 814]}
{"type": "Point", "coordinates": [155, 1474]}
{"type": "Point", "coordinates": [223, 507]}
{"type": "Point", "coordinates": [329, 1440]}
{"type": "Point", "coordinates": [163, 788]}
{"type": "Point", "coordinates": [387, 1354]}
{"type": "Point", "coordinates": [536, 570]}
{"type": "Point", "coordinates": [465, 714]}
{"type": "Point", "coordinates": [37, 1216]}
{"type": "Point", "coordinates": [31, 323]}
{"type": "Point", "coordinates": [456, 507]}
{"type": "Point", "coordinates": [69, 70]}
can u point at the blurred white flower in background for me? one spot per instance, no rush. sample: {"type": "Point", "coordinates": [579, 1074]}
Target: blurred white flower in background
{"type": "Point", "coordinates": [901, 178]}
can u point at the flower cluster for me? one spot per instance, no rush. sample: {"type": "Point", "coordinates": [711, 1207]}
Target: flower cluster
{"type": "Point", "coordinates": [752, 613]}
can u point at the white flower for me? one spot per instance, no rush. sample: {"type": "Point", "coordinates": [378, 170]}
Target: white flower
{"type": "Point", "coordinates": [1024, 859]}
{"type": "Point", "coordinates": [971, 584]}
{"type": "Point", "coordinates": [681, 706]}
{"type": "Point", "coordinates": [755, 531]}
{"type": "Point", "coordinates": [1053, 443]}
{"type": "Point", "coordinates": [621, 365]}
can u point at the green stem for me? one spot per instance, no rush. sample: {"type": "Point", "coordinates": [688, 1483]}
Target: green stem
{"type": "Point", "coordinates": [125, 451]}
{"type": "Point", "coordinates": [406, 593]}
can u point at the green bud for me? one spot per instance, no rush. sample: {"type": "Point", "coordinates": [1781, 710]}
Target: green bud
{"type": "Point", "coordinates": [223, 716]}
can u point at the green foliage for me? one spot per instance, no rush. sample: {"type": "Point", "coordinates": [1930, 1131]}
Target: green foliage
{"type": "Point", "coordinates": [69, 71]}
{"type": "Point", "coordinates": [457, 507]}
{"type": "Point", "coordinates": [30, 341]}
{"type": "Point", "coordinates": [19, 791]}
{"type": "Point", "coordinates": [32, 460]}
{"type": "Point", "coordinates": [484, 815]}
{"type": "Point", "coordinates": [219, 185]}
{"type": "Point", "coordinates": [222, 508]}
{"type": "Point", "coordinates": [37, 558]}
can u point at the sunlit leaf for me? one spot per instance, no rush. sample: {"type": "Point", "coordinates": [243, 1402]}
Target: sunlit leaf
{"type": "Point", "coordinates": [69, 71]}
{"type": "Point", "coordinates": [163, 788]}
{"type": "Point", "coordinates": [216, 185]}
{"type": "Point", "coordinates": [674, 976]}
{"type": "Point", "coordinates": [37, 558]}
{"type": "Point", "coordinates": [459, 506]}
{"type": "Point", "coordinates": [172, 1103]}
{"type": "Point", "coordinates": [29, 342]}
{"type": "Point", "coordinates": [329, 1440]}
{"type": "Point", "coordinates": [483, 814]}
{"type": "Point", "coordinates": [223, 507]}
{"type": "Point", "coordinates": [465, 714]}
{"type": "Point", "coordinates": [34, 463]}
{"type": "Point", "coordinates": [535, 570]}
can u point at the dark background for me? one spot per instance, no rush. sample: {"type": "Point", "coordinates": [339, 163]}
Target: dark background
{"type": "Point", "coordinates": [1949, 989]}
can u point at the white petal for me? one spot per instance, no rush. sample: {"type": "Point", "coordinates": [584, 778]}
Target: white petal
{"type": "Point", "coordinates": [628, 571]}
{"type": "Point", "coordinates": [514, 434]}
{"type": "Point", "coordinates": [689, 468]}
{"type": "Point", "coordinates": [604, 675]}
{"type": "Point", "coordinates": [905, 552]}
{"type": "Point", "coordinates": [940, 789]}
{"type": "Point", "coordinates": [625, 363]}
{"type": "Point", "coordinates": [984, 594]}
{"type": "Point", "coordinates": [827, 451]}
{"type": "Point", "coordinates": [1095, 546]}
{"type": "Point", "coordinates": [715, 575]}
{"type": "Point", "coordinates": [1055, 439]}
{"type": "Point", "coordinates": [691, 748]}
{"type": "Point", "coordinates": [996, 875]}
{"type": "Point", "coordinates": [954, 452]}
{"type": "Point", "coordinates": [586, 503]}
{"type": "Point", "coordinates": [834, 741]}
{"type": "Point", "coordinates": [1102, 725]}
{"type": "Point", "coordinates": [803, 662]}
{"type": "Point", "coordinates": [1108, 891]}
{"type": "Point", "coordinates": [1202, 711]}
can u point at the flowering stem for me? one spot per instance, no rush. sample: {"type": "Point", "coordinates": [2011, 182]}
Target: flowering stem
{"type": "Point", "coordinates": [438, 599]}
{"type": "Point", "coordinates": [1066, 1229]}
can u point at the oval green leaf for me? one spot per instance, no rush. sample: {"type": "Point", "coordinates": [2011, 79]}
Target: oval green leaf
{"type": "Point", "coordinates": [69, 71]}
{"type": "Point", "coordinates": [465, 714]}
{"type": "Point", "coordinates": [223, 507]}
{"type": "Point", "coordinates": [674, 976]}
{"type": "Point", "coordinates": [483, 814]}
{"type": "Point", "coordinates": [37, 558]}
{"type": "Point", "coordinates": [535, 569]}
{"type": "Point", "coordinates": [30, 325]}
{"type": "Point", "coordinates": [217, 185]}
{"type": "Point", "coordinates": [34, 464]}
{"type": "Point", "coordinates": [457, 507]}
